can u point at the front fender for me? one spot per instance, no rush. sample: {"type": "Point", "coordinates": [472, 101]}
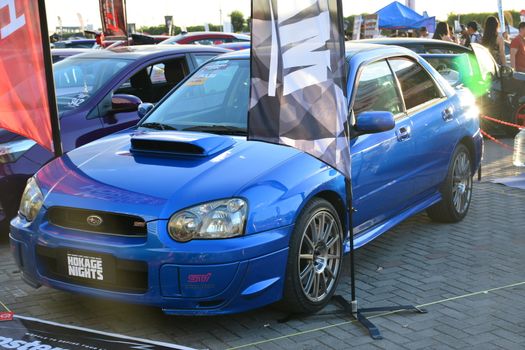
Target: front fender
{"type": "Point", "coordinates": [276, 199]}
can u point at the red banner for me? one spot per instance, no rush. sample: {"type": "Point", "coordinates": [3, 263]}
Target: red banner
{"type": "Point", "coordinates": [113, 15]}
{"type": "Point", "coordinates": [24, 106]}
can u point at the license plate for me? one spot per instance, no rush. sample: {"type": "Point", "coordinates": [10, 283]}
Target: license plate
{"type": "Point", "coordinates": [85, 267]}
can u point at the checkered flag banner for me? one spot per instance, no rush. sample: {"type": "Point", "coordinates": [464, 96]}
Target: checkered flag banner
{"type": "Point", "coordinates": [298, 78]}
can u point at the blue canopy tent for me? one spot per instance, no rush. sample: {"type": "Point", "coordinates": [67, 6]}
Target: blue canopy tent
{"type": "Point", "coordinates": [398, 16]}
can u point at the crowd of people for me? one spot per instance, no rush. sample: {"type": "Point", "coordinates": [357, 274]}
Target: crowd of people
{"type": "Point", "coordinates": [491, 39]}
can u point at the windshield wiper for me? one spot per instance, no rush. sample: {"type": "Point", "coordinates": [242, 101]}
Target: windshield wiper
{"type": "Point", "coordinates": [219, 129]}
{"type": "Point", "coordinates": [157, 126]}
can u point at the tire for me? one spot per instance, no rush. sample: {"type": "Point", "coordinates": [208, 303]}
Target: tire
{"type": "Point", "coordinates": [316, 258]}
{"type": "Point", "coordinates": [456, 190]}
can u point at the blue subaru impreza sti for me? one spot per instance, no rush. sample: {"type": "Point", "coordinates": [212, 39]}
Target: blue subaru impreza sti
{"type": "Point", "coordinates": [183, 213]}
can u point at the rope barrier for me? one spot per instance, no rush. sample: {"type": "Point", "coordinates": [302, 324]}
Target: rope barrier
{"type": "Point", "coordinates": [503, 123]}
{"type": "Point", "coordinates": [495, 140]}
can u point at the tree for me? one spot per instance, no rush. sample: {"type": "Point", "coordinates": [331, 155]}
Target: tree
{"type": "Point", "coordinates": [237, 19]}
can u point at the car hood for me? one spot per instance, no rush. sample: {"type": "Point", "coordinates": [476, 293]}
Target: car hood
{"type": "Point", "coordinates": [113, 174]}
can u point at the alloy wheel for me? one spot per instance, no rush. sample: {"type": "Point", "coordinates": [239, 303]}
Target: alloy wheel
{"type": "Point", "coordinates": [320, 256]}
{"type": "Point", "coordinates": [462, 183]}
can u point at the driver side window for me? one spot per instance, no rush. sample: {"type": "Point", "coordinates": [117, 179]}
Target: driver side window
{"type": "Point", "coordinates": [377, 90]}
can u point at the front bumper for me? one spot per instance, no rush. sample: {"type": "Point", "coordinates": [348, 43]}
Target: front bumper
{"type": "Point", "coordinates": [194, 278]}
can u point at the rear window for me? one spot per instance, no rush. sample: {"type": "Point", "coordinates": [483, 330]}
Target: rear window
{"type": "Point", "coordinates": [416, 84]}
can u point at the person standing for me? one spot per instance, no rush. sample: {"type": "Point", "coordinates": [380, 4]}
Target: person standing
{"type": "Point", "coordinates": [423, 33]}
{"type": "Point", "coordinates": [517, 50]}
{"type": "Point", "coordinates": [442, 32]}
{"type": "Point", "coordinates": [473, 32]}
{"type": "Point", "coordinates": [493, 41]}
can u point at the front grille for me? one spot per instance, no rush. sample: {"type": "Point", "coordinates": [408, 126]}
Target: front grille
{"type": "Point", "coordinates": [97, 221]}
{"type": "Point", "coordinates": [126, 276]}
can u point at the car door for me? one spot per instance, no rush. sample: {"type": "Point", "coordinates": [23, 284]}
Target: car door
{"type": "Point", "coordinates": [382, 163]}
{"type": "Point", "coordinates": [435, 127]}
{"type": "Point", "coordinates": [492, 98]}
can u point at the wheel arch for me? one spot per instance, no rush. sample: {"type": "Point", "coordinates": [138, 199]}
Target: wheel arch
{"type": "Point", "coordinates": [339, 204]}
{"type": "Point", "coordinates": [467, 142]}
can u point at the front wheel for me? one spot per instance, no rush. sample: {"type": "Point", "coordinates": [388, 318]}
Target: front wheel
{"type": "Point", "coordinates": [314, 258]}
{"type": "Point", "coordinates": [456, 190]}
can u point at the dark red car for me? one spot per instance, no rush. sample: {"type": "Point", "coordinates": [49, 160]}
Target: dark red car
{"type": "Point", "coordinates": [207, 38]}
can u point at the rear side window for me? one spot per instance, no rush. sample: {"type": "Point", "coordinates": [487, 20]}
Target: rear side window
{"type": "Point", "coordinates": [416, 84]}
{"type": "Point", "coordinates": [376, 90]}
{"type": "Point", "coordinates": [203, 57]}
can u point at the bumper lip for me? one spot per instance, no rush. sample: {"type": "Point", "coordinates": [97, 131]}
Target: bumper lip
{"type": "Point", "coordinates": [225, 301]}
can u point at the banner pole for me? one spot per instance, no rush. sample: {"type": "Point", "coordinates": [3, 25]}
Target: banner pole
{"type": "Point", "coordinates": [50, 84]}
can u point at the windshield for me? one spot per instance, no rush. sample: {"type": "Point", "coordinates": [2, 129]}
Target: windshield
{"type": "Point", "coordinates": [214, 99]}
{"type": "Point", "coordinates": [77, 79]}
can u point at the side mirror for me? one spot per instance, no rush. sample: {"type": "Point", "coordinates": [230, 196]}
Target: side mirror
{"type": "Point", "coordinates": [374, 122]}
{"type": "Point", "coordinates": [506, 72]}
{"type": "Point", "coordinates": [125, 103]}
{"type": "Point", "coordinates": [144, 109]}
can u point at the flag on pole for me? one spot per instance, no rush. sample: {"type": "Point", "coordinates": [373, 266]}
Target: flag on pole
{"type": "Point", "coordinates": [298, 78]}
{"type": "Point", "coordinates": [501, 16]}
{"type": "Point", "coordinates": [24, 90]}
{"type": "Point", "coordinates": [113, 16]}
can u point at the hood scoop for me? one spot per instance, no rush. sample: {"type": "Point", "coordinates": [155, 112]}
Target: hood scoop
{"type": "Point", "coordinates": [174, 143]}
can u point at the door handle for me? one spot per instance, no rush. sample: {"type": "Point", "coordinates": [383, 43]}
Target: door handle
{"type": "Point", "coordinates": [403, 133]}
{"type": "Point", "coordinates": [448, 114]}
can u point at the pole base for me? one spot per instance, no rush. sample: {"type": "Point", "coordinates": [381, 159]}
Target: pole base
{"type": "Point", "coordinates": [358, 314]}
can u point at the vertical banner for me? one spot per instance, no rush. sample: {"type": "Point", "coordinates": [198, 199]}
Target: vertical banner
{"type": "Point", "coordinates": [27, 95]}
{"type": "Point", "coordinates": [298, 78]}
{"type": "Point", "coordinates": [501, 17]}
{"type": "Point", "coordinates": [356, 33]}
{"type": "Point", "coordinates": [169, 24]}
{"type": "Point", "coordinates": [371, 23]}
{"type": "Point", "coordinates": [113, 17]}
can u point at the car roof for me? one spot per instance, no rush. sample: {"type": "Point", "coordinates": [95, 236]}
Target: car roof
{"type": "Point", "coordinates": [190, 34]}
{"type": "Point", "coordinates": [353, 49]}
{"type": "Point", "coordinates": [416, 42]}
{"type": "Point", "coordinates": [141, 51]}
{"type": "Point", "coordinates": [72, 50]}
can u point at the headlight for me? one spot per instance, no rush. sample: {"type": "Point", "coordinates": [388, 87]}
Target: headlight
{"type": "Point", "coordinates": [32, 201]}
{"type": "Point", "coordinates": [11, 151]}
{"type": "Point", "coordinates": [218, 219]}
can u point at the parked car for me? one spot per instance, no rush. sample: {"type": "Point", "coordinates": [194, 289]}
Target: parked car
{"type": "Point", "coordinates": [98, 93]}
{"type": "Point", "coordinates": [207, 38]}
{"type": "Point", "coordinates": [183, 213]}
{"type": "Point", "coordinates": [58, 55]}
{"type": "Point", "coordinates": [75, 44]}
{"type": "Point", "coordinates": [500, 92]}
{"type": "Point", "coordinates": [421, 46]}
{"type": "Point", "coordinates": [241, 45]}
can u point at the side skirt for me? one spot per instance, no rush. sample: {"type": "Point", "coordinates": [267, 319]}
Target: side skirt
{"type": "Point", "coordinates": [374, 232]}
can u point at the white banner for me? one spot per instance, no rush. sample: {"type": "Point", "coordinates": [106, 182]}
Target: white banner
{"type": "Point", "coordinates": [501, 17]}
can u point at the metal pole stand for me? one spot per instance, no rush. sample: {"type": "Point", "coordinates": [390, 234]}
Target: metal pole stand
{"type": "Point", "coordinates": [358, 314]}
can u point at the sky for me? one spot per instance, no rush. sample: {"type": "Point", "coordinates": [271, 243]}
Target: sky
{"type": "Point", "coordinates": [195, 12]}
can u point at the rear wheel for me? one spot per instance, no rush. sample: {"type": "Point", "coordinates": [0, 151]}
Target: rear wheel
{"type": "Point", "coordinates": [456, 190]}
{"type": "Point", "coordinates": [314, 259]}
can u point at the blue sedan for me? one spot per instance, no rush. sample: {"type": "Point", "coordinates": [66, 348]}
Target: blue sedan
{"type": "Point", "coordinates": [183, 213]}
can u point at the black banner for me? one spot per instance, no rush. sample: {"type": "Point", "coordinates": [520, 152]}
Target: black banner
{"type": "Point", "coordinates": [31, 334]}
{"type": "Point", "coordinates": [298, 78]}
